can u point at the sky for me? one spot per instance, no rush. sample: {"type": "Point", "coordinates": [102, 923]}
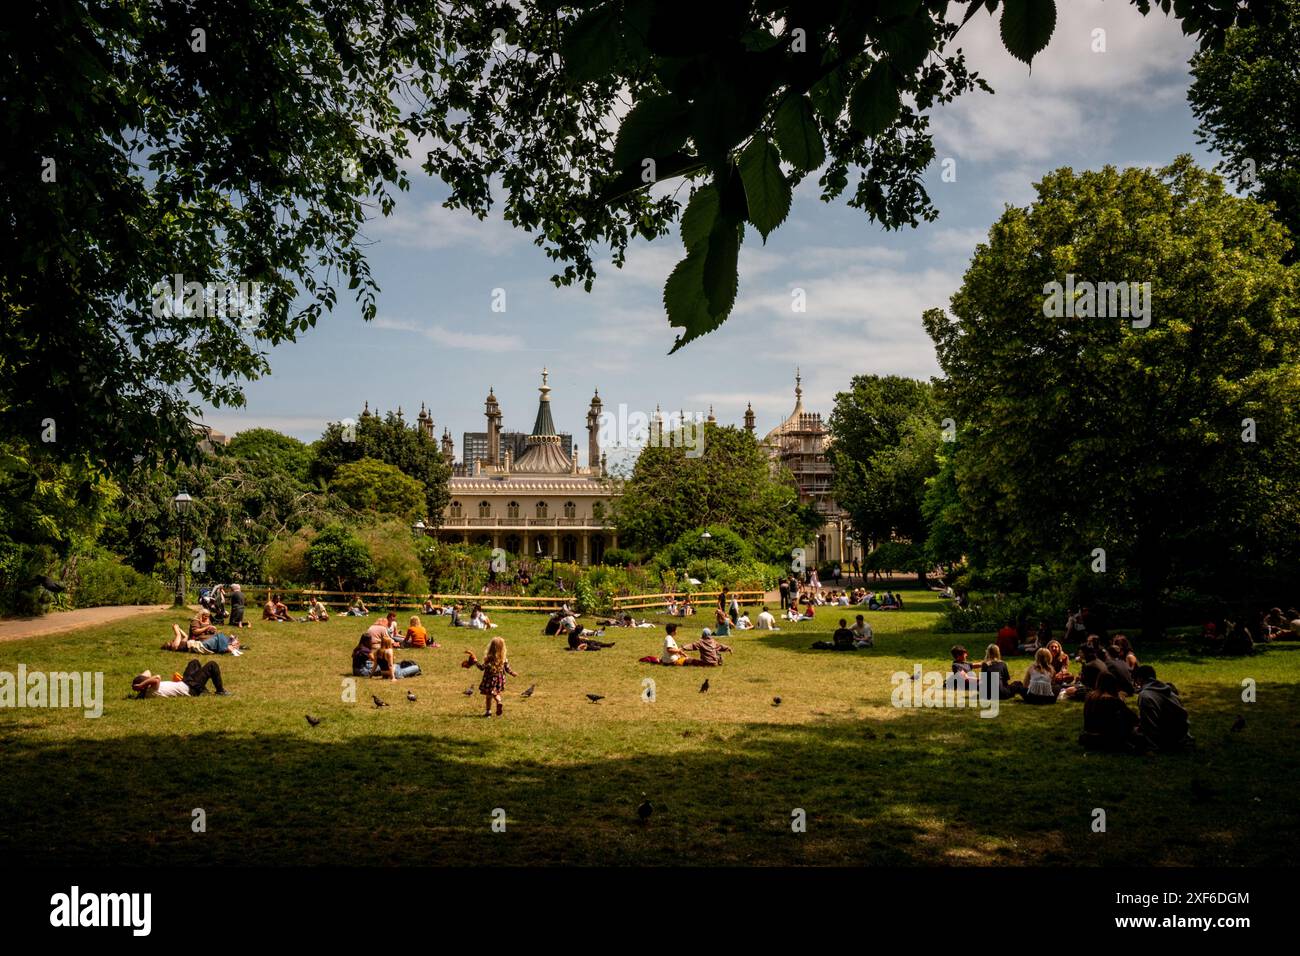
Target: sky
{"type": "Point", "coordinates": [437, 340]}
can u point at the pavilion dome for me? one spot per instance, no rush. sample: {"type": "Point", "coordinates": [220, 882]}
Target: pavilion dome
{"type": "Point", "coordinates": [544, 454]}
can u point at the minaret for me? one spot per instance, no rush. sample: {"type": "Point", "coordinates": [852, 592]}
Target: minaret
{"type": "Point", "coordinates": [798, 393]}
{"type": "Point", "coordinates": [711, 420]}
{"type": "Point", "coordinates": [448, 446]}
{"type": "Point", "coordinates": [593, 430]}
{"type": "Point", "coordinates": [493, 412]}
{"type": "Point", "coordinates": [425, 421]}
{"type": "Point", "coordinates": [658, 426]}
{"type": "Point", "coordinates": [365, 412]}
{"type": "Point", "coordinates": [749, 417]}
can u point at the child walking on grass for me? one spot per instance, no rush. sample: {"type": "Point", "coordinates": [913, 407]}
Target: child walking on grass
{"type": "Point", "coordinates": [495, 667]}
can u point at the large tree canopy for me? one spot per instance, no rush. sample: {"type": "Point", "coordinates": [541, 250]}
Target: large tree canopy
{"type": "Point", "coordinates": [247, 141]}
{"type": "Point", "coordinates": [886, 432]}
{"type": "Point", "coordinates": [1171, 446]}
{"type": "Point", "coordinates": [732, 483]}
{"type": "Point", "coordinates": [1246, 95]}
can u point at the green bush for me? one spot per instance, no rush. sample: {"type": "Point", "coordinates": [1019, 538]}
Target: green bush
{"type": "Point", "coordinates": [105, 580]}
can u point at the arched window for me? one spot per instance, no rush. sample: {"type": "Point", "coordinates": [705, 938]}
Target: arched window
{"type": "Point", "coordinates": [456, 510]}
{"type": "Point", "coordinates": [484, 510]}
{"type": "Point", "coordinates": [570, 510]}
{"type": "Point", "coordinates": [541, 509]}
{"type": "Point", "coordinates": [512, 510]}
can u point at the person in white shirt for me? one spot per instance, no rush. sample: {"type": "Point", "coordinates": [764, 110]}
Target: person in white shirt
{"type": "Point", "coordinates": [863, 635]}
{"type": "Point", "coordinates": [793, 614]}
{"type": "Point", "coordinates": [766, 622]}
{"type": "Point", "coordinates": [672, 653]}
{"type": "Point", "coordinates": [743, 623]}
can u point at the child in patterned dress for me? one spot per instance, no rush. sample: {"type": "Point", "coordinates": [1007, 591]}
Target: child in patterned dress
{"type": "Point", "coordinates": [495, 667]}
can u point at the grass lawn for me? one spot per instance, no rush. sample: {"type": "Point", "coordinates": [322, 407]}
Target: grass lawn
{"type": "Point", "coordinates": [418, 782]}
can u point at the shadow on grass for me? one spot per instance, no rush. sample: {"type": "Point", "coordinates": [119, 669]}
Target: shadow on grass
{"type": "Point", "coordinates": [913, 787]}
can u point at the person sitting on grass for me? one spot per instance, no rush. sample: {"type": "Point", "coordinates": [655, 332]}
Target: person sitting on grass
{"type": "Point", "coordinates": [357, 608]}
{"type": "Point", "coordinates": [963, 676]}
{"type": "Point", "coordinates": [743, 623]}
{"type": "Point", "coordinates": [386, 665]}
{"type": "Point", "coordinates": [766, 622]}
{"type": "Point", "coordinates": [843, 639]}
{"type": "Point", "coordinates": [721, 624]}
{"type": "Point", "coordinates": [863, 636]}
{"type": "Point", "coordinates": [1108, 724]}
{"type": "Point", "coordinates": [190, 684]}
{"type": "Point", "coordinates": [688, 608]}
{"type": "Point", "coordinates": [1006, 639]}
{"type": "Point", "coordinates": [417, 635]}
{"type": "Point", "coordinates": [873, 602]}
{"type": "Point", "coordinates": [1061, 676]}
{"type": "Point", "coordinates": [1118, 668]}
{"type": "Point", "coordinates": [363, 655]}
{"type": "Point", "coordinates": [808, 612]}
{"type": "Point", "coordinates": [671, 607]}
{"type": "Point", "coordinates": [1038, 680]}
{"type": "Point", "coordinates": [672, 654]}
{"type": "Point", "coordinates": [495, 666]}
{"type": "Point", "coordinates": [478, 618]}
{"type": "Point", "coordinates": [994, 672]}
{"type": "Point", "coordinates": [317, 611]}
{"type": "Point", "coordinates": [1161, 715]}
{"type": "Point", "coordinates": [711, 651]}
{"type": "Point", "coordinates": [1120, 643]}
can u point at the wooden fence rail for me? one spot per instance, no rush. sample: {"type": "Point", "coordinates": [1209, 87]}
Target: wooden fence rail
{"type": "Point", "coordinates": [384, 600]}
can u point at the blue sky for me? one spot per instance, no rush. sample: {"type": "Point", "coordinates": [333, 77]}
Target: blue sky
{"type": "Point", "coordinates": [437, 340]}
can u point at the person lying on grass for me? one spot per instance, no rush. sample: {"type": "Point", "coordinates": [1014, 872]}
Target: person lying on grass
{"type": "Point", "coordinates": [495, 666]}
{"type": "Point", "coordinates": [213, 644]}
{"type": "Point", "coordinates": [711, 651]}
{"type": "Point", "coordinates": [190, 684]}
{"type": "Point", "coordinates": [581, 639]}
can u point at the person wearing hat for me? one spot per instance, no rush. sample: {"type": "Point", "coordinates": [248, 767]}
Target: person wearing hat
{"type": "Point", "coordinates": [711, 650]}
{"type": "Point", "coordinates": [191, 684]}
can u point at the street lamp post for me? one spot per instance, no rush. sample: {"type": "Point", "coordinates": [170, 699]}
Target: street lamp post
{"type": "Point", "coordinates": [181, 503]}
{"type": "Point", "coordinates": [706, 538]}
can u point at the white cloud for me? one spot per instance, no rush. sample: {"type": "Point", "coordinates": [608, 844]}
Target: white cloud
{"type": "Point", "coordinates": [454, 339]}
{"type": "Point", "coordinates": [429, 225]}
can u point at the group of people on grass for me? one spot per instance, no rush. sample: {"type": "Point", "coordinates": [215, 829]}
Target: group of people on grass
{"type": "Point", "coordinates": [214, 600]}
{"type": "Point", "coordinates": [1108, 674]}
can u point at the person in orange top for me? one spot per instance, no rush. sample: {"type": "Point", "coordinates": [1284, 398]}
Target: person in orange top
{"type": "Point", "coordinates": [416, 635]}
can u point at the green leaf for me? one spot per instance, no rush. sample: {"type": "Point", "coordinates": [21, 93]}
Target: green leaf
{"type": "Point", "coordinates": [655, 127]}
{"type": "Point", "coordinates": [588, 49]}
{"type": "Point", "coordinates": [827, 95]}
{"type": "Point", "coordinates": [874, 104]}
{"type": "Point", "coordinates": [908, 42]}
{"type": "Point", "coordinates": [685, 302]}
{"type": "Point", "coordinates": [797, 134]}
{"type": "Point", "coordinates": [766, 189]}
{"type": "Point", "coordinates": [1027, 25]}
{"type": "Point", "coordinates": [700, 215]}
{"type": "Point", "coordinates": [721, 276]}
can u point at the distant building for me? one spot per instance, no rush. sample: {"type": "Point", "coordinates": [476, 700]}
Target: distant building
{"type": "Point", "coordinates": [474, 446]}
{"type": "Point", "coordinates": [800, 443]}
{"type": "Point", "coordinates": [531, 497]}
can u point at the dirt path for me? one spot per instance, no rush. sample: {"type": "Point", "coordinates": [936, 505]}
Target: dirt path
{"type": "Point", "coordinates": [15, 629]}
